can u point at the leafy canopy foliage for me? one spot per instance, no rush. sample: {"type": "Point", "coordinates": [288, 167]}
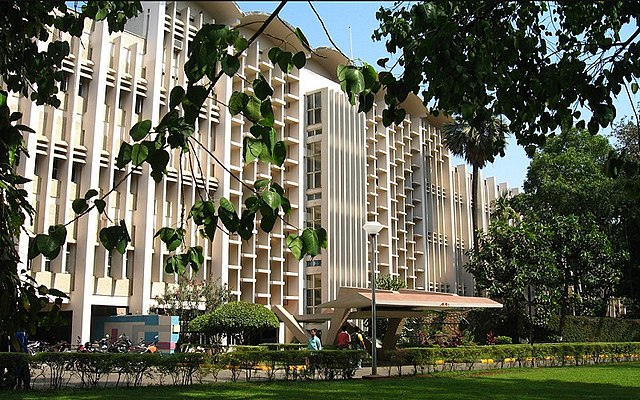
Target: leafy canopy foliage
{"type": "Point", "coordinates": [569, 259]}
{"type": "Point", "coordinates": [215, 52]}
{"type": "Point", "coordinates": [567, 176]}
{"type": "Point", "coordinates": [185, 300]}
{"type": "Point", "coordinates": [34, 73]}
{"type": "Point", "coordinates": [235, 318]}
{"type": "Point", "coordinates": [532, 62]}
{"type": "Point", "coordinates": [210, 58]}
{"type": "Point", "coordinates": [478, 147]}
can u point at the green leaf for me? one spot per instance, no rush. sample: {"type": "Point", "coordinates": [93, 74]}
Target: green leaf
{"type": "Point", "coordinates": [634, 87]}
{"type": "Point", "coordinates": [261, 183]}
{"type": "Point", "coordinates": [124, 155]}
{"type": "Point", "coordinates": [322, 237]}
{"type": "Point", "coordinates": [299, 59]}
{"type": "Point", "coordinates": [247, 222]}
{"type": "Point", "coordinates": [238, 102]}
{"type": "Point", "coordinates": [141, 129]}
{"type": "Point", "coordinates": [266, 112]}
{"type": "Point", "coordinates": [176, 96]}
{"type": "Point", "coordinates": [115, 237]}
{"type": "Point", "coordinates": [302, 38]}
{"type": "Point", "coordinates": [58, 233]}
{"type": "Point", "coordinates": [158, 161]}
{"type": "Point", "coordinates": [268, 221]}
{"type": "Point", "coordinates": [351, 81]}
{"type": "Point", "coordinates": [196, 256]}
{"type": "Point", "coordinates": [272, 199]}
{"type": "Point", "coordinates": [34, 251]}
{"type": "Point", "coordinates": [102, 13]}
{"type": "Point", "coordinates": [90, 193]}
{"type": "Point", "coordinates": [252, 110]}
{"type": "Point", "coordinates": [79, 206]}
{"type": "Point", "coordinates": [284, 61]}
{"type": "Point", "coordinates": [48, 246]}
{"type": "Point", "coordinates": [311, 243]}
{"type": "Point", "coordinates": [261, 88]}
{"type": "Point", "coordinates": [230, 64]}
{"type": "Point", "coordinates": [279, 153]}
{"type": "Point", "coordinates": [139, 154]}
{"type": "Point", "coordinates": [274, 54]}
{"type": "Point", "coordinates": [252, 148]}
{"type": "Point", "coordinates": [227, 213]}
{"type": "Point", "coordinates": [294, 243]}
{"type": "Point", "coordinates": [100, 205]}
{"type": "Point", "coordinates": [240, 44]}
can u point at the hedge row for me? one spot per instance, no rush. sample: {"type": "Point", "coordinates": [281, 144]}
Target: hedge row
{"type": "Point", "coordinates": [598, 329]}
{"type": "Point", "coordinates": [94, 369]}
{"type": "Point", "coordinates": [540, 355]}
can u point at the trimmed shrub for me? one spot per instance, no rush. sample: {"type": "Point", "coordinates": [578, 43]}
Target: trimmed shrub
{"type": "Point", "coordinates": [598, 329]}
{"type": "Point", "coordinates": [237, 318]}
{"type": "Point", "coordinates": [550, 354]}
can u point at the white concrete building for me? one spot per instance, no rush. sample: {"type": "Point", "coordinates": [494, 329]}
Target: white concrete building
{"type": "Point", "coordinates": [342, 168]}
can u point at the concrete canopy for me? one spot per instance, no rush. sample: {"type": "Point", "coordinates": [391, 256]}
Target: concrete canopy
{"type": "Point", "coordinates": [395, 305]}
{"type": "Point", "coordinates": [406, 300]}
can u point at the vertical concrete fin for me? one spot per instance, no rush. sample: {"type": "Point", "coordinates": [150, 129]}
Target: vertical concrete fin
{"type": "Point", "coordinates": [290, 322]}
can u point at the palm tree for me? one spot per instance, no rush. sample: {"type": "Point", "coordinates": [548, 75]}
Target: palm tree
{"type": "Point", "coordinates": [478, 147]}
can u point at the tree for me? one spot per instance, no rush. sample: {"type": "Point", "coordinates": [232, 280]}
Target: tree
{"type": "Point", "coordinates": [531, 62]}
{"type": "Point", "coordinates": [210, 58]}
{"type": "Point", "coordinates": [627, 138]}
{"type": "Point", "coordinates": [192, 297]}
{"type": "Point", "coordinates": [478, 147]}
{"type": "Point", "coordinates": [236, 320]}
{"type": "Point", "coordinates": [569, 259]}
{"type": "Point", "coordinates": [33, 72]}
{"type": "Point", "coordinates": [567, 176]}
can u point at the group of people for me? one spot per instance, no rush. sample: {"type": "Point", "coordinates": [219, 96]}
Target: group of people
{"type": "Point", "coordinates": [353, 341]}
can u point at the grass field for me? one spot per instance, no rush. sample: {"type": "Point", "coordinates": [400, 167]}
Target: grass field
{"type": "Point", "coordinates": [611, 381]}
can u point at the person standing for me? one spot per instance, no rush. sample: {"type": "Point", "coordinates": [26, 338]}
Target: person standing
{"type": "Point", "coordinates": [313, 345]}
{"type": "Point", "coordinates": [357, 343]}
{"type": "Point", "coordinates": [23, 372]}
{"type": "Point", "coordinates": [314, 341]}
{"type": "Point", "coordinates": [344, 339]}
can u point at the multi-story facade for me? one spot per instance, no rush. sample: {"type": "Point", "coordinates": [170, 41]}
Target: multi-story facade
{"type": "Point", "coordinates": [342, 169]}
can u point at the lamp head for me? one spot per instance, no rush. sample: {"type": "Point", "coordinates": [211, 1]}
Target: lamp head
{"type": "Point", "coordinates": [372, 227]}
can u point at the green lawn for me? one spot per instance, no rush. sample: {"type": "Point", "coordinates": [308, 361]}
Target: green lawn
{"type": "Point", "coordinates": [611, 381]}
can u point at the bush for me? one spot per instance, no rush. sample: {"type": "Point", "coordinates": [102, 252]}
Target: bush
{"type": "Point", "coordinates": [504, 340]}
{"type": "Point", "coordinates": [550, 354]}
{"type": "Point", "coordinates": [236, 318]}
{"type": "Point", "coordinates": [598, 329]}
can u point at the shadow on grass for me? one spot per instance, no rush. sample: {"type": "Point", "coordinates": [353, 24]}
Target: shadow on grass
{"type": "Point", "coordinates": [601, 382]}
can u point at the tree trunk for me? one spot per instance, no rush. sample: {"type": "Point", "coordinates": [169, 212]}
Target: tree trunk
{"type": "Point", "coordinates": [474, 206]}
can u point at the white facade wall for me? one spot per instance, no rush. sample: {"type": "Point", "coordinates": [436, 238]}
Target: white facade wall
{"type": "Point", "coordinates": [401, 176]}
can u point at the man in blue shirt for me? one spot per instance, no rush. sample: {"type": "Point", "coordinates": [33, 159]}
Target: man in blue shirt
{"type": "Point", "coordinates": [314, 344]}
{"type": "Point", "coordinates": [314, 341]}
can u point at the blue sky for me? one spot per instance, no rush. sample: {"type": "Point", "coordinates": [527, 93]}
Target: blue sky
{"type": "Point", "coordinates": [339, 16]}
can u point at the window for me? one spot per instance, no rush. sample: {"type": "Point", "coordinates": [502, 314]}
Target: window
{"type": "Point", "coordinates": [314, 263]}
{"type": "Point", "coordinates": [139, 104]}
{"type": "Point", "coordinates": [75, 172]}
{"type": "Point", "coordinates": [313, 218]}
{"type": "Point", "coordinates": [314, 108]}
{"type": "Point", "coordinates": [314, 166]}
{"type": "Point", "coordinates": [64, 83]}
{"type": "Point", "coordinates": [314, 132]}
{"type": "Point", "coordinates": [313, 293]}
{"type": "Point", "coordinates": [109, 264]}
{"type": "Point", "coordinates": [55, 169]}
{"type": "Point", "coordinates": [70, 258]}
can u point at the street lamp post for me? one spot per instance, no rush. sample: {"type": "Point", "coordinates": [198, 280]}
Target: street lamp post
{"type": "Point", "coordinates": [373, 228]}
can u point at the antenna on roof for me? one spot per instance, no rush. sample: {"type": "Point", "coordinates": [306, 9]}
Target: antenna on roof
{"type": "Point", "coordinates": [350, 44]}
